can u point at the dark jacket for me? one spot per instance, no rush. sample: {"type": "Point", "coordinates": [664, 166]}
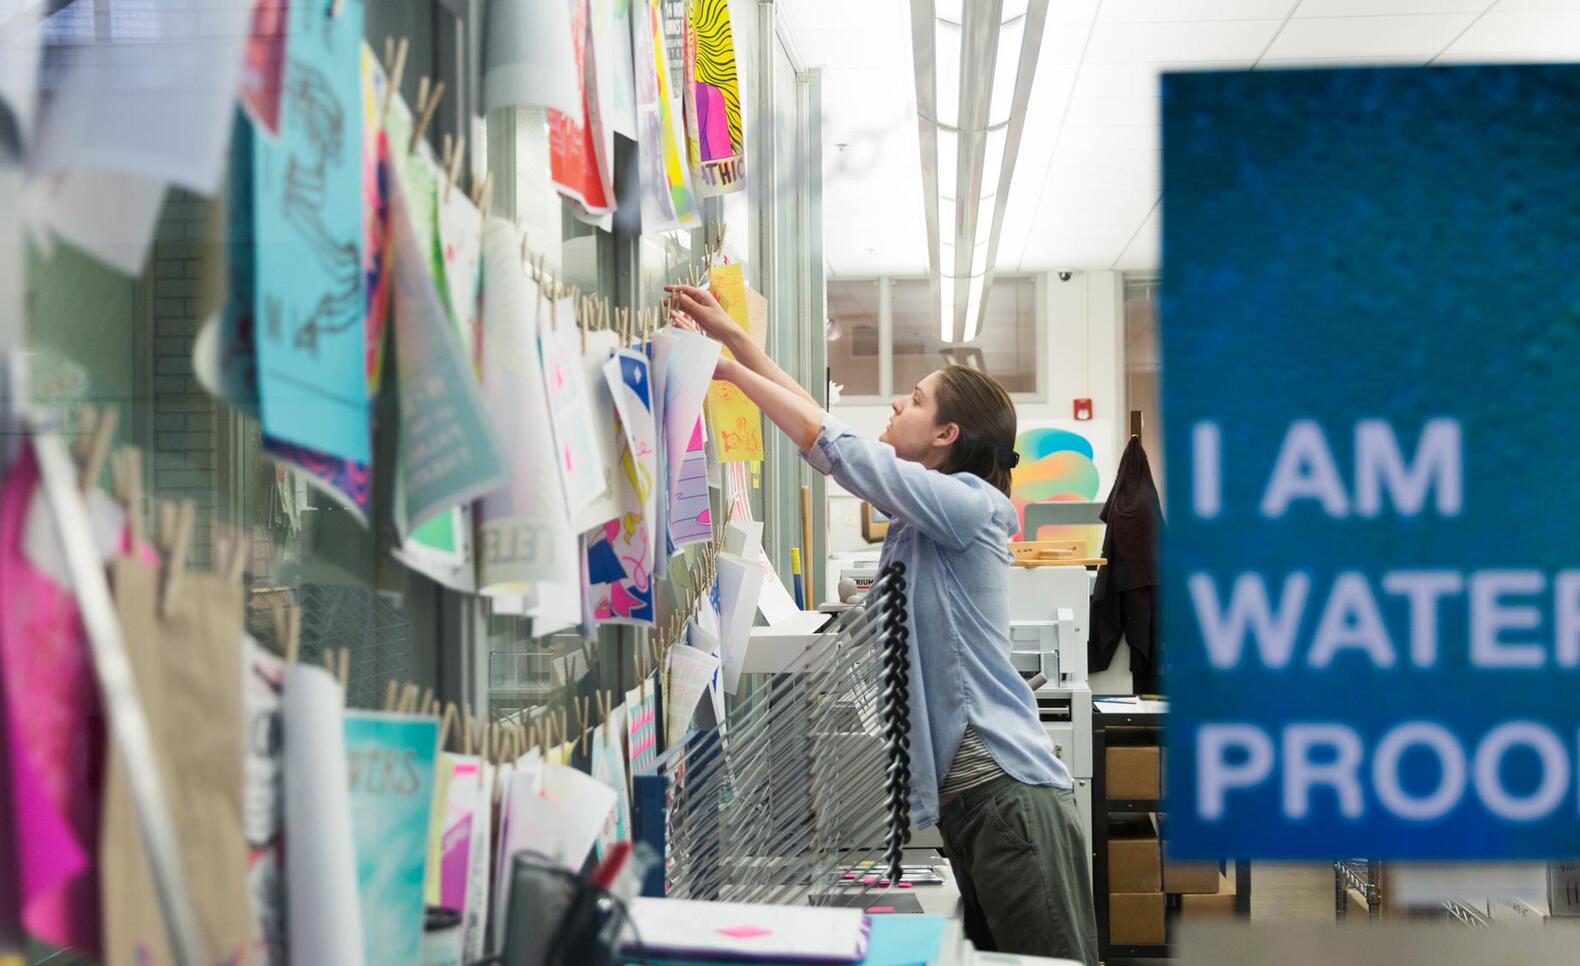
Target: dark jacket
{"type": "Point", "coordinates": [1124, 602]}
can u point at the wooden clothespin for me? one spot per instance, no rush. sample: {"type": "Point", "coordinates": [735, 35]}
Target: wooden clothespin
{"type": "Point", "coordinates": [586, 724]}
{"type": "Point", "coordinates": [334, 9]}
{"type": "Point", "coordinates": [176, 563]}
{"type": "Point", "coordinates": [429, 106]}
{"type": "Point", "coordinates": [397, 71]}
{"type": "Point", "coordinates": [391, 691]}
{"type": "Point", "coordinates": [445, 724]}
{"type": "Point", "coordinates": [344, 673]}
{"type": "Point", "coordinates": [408, 700]}
{"type": "Point", "coordinates": [485, 193]}
{"type": "Point", "coordinates": [427, 702]}
{"type": "Point", "coordinates": [446, 157]}
{"type": "Point", "coordinates": [128, 473]}
{"type": "Point", "coordinates": [93, 446]}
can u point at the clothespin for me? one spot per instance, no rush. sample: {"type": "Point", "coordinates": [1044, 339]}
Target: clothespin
{"type": "Point", "coordinates": [397, 71]}
{"type": "Point", "coordinates": [485, 193]}
{"type": "Point", "coordinates": [565, 726]}
{"type": "Point", "coordinates": [128, 481]}
{"type": "Point", "coordinates": [334, 9]}
{"type": "Point", "coordinates": [391, 689]}
{"type": "Point", "coordinates": [93, 446]}
{"type": "Point", "coordinates": [345, 670]}
{"type": "Point", "coordinates": [446, 157]}
{"type": "Point", "coordinates": [408, 700]}
{"type": "Point", "coordinates": [445, 724]}
{"type": "Point", "coordinates": [175, 564]}
{"type": "Point", "coordinates": [428, 107]}
{"type": "Point", "coordinates": [427, 702]}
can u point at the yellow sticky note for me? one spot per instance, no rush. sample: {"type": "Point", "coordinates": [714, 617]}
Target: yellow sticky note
{"type": "Point", "coordinates": [735, 418]}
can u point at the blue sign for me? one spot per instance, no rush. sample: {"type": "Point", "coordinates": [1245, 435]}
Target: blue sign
{"type": "Point", "coordinates": [1371, 575]}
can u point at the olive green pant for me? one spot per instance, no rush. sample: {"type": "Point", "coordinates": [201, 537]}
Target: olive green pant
{"type": "Point", "coordinates": [1020, 861]}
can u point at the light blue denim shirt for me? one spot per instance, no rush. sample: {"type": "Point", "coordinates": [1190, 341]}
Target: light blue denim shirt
{"type": "Point", "coordinates": [952, 533]}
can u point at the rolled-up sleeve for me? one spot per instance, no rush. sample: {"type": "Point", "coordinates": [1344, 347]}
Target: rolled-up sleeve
{"type": "Point", "coordinates": [949, 510]}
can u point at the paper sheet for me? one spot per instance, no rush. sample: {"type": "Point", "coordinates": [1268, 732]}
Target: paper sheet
{"type": "Point", "coordinates": [390, 766]}
{"type": "Point", "coordinates": [667, 199]}
{"type": "Point", "coordinates": [526, 822]}
{"type": "Point", "coordinates": [448, 453]}
{"type": "Point", "coordinates": [528, 58]}
{"type": "Point", "coordinates": [690, 673]}
{"type": "Point", "coordinates": [612, 55]}
{"type": "Point", "coordinates": [578, 163]}
{"type": "Point", "coordinates": [690, 512]}
{"type": "Point", "coordinates": [715, 127]}
{"type": "Point", "coordinates": [774, 601]}
{"type": "Point", "coordinates": [474, 914]}
{"type": "Point", "coordinates": [324, 914]}
{"type": "Point", "coordinates": [629, 541]}
{"type": "Point", "coordinates": [740, 586]}
{"type": "Point", "coordinates": [684, 362]}
{"type": "Point", "coordinates": [601, 348]}
{"type": "Point", "coordinates": [142, 114]}
{"type": "Point", "coordinates": [525, 533]}
{"type": "Point", "coordinates": [459, 254]}
{"type": "Point", "coordinates": [641, 726]}
{"type": "Point", "coordinates": [711, 713]}
{"type": "Point", "coordinates": [578, 455]}
{"type": "Point", "coordinates": [13, 259]}
{"type": "Point", "coordinates": [583, 803]}
{"type": "Point", "coordinates": [736, 419]}
{"type": "Point", "coordinates": [263, 803]}
{"type": "Point", "coordinates": [310, 300]}
{"type": "Point", "coordinates": [263, 65]}
{"type": "Point", "coordinates": [450, 831]}
{"type": "Point", "coordinates": [19, 62]}
{"type": "Point", "coordinates": [735, 931]}
{"type": "Point", "coordinates": [608, 767]}
{"type": "Point", "coordinates": [110, 215]}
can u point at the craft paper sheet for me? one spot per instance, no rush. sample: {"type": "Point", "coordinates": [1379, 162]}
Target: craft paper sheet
{"type": "Point", "coordinates": [54, 735]}
{"type": "Point", "coordinates": [715, 134]}
{"type": "Point", "coordinates": [448, 455]}
{"type": "Point", "coordinates": [601, 346]}
{"type": "Point", "coordinates": [740, 587]}
{"type": "Point", "coordinates": [110, 215]}
{"type": "Point", "coordinates": [525, 533]}
{"type": "Point", "coordinates": [577, 159]}
{"type": "Point", "coordinates": [19, 60]}
{"type": "Point", "coordinates": [737, 422]}
{"type": "Point", "coordinates": [263, 801]}
{"type": "Point", "coordinates": [323, 912]}
{"type": "Point", "coordinates": [474, 913]}
{"type": "Point", "coordinates": [527, 57]}
{"type": "Point", "coordinates": [348, 482]}
{"type": "Point", "coordinates": [263, 65]}
{"type": "Point", "coordinates": [690, 517]}
{"type": "Point", "coordinates": [310, 302]}
{"type": "Point", "coordinates": [577, 454]}
{"type": "Point", "coordinates": [620, 560]}
{"type": "Point", "coordinates": [390, 766]}
{"type": "Point", "coordinates": [667, 200]}
{"type": "Point", "coordinates": [145, 116]}
{"type": "Point", "coordinates": [616, 71]}
{"type": "Point", "coordinates": [608, 767]}
{"type": "Point", "coordinates": [690, 673]}
{"type": "Point", "coordinates": [685, 362]}
{"type": "Point", "coordinates": [642, 725]}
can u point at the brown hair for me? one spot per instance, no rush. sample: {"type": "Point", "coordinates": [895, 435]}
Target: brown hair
{"type": "Point", "coordinates": [976, 403]}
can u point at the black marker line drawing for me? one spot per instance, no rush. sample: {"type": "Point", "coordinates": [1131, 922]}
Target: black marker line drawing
{"type": "Point", "coordinates": [312, 104]}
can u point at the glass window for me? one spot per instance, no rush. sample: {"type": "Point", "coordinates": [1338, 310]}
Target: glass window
{"type": "Point", "coordinates": [853, 336]}
{"type": "Point", "coordinates": [1142, 367]}
{"type": "Point", "coordinates": [1005, 346]}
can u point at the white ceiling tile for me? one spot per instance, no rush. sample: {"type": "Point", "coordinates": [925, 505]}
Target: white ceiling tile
{"type": "Point", "coordinates": [1092, 108]}
{"type": "Point", "coordinates": [1144, 251]}
{"type": "Point", "coordinates": [1110, 138]}
{"type": "Point", "coordinates": [1307, 63]}
{"type": "Point", "coordinates": [1366, 37]}
{"type": "Point", "coordinates": [1222, 40]}
{"type": "Point", "coordinates": [1134, 11]}
{"type": "Point", "coordinates": [1521, 36]}
{"type": "Point", "coordinates": [1378, 8]}
{"type": "Point", "coordinates": [1547, 6]}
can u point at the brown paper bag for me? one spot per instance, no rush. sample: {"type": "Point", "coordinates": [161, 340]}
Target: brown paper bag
{"type": "Point", "coordinates": [187, 665]}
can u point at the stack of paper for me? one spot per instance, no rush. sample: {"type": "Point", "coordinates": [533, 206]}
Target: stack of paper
{"type": "Point", "coordinates": [738, 930]}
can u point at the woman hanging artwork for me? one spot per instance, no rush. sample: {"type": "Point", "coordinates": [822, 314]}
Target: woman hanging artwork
{"type": "Point", "coordinates": [715, 139]}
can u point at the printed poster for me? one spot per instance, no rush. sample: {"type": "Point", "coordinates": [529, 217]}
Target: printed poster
{"type": "Point", "coordinates": [608, 767]}
{"type": "Point", "coordinates": [684, 362]}
{"type": "Point", "coordinates": [737, 422]}
{"type": "Point", "coordinates": [310, 302]}
{"type": "Point", "coordinates": [642, 725]}
{"type": "Point", "coordinates": [578, 161]}
{"type": "Point", "coordinates": [690, 517]}
{"type": "Point", "coordinates": [448, 455]}
{"type": "Point", "coordinates": [616, 70]}
{"type": "Point", "coordinates": [667, 200]}
{"type": "Point", "coordinates": [715, 136]}
{"type": "Point", "coordinates": [620, 565]}
{"type": "Point", "coordinates": [263, 65]}
{"type": "Point", "coordinates": [264, 802]}
{"type": "Point", "coordinates": [525, 533]}
{"type": "Point", "coordinates": [390, 762]}
{"type": "Point", "coordinates": [565, 380]}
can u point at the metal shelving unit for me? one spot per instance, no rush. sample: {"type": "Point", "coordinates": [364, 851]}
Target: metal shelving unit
{"type": "Point", "coordinates": [1103, 807]}
{"type": "Point", "coordinates": [1357, 881]}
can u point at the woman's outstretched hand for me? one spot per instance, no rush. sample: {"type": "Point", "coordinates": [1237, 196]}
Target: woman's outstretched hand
{"type": "Point", "coordinates": [700, 307]}
{"type": "Point", "coordinates": [727, 369]}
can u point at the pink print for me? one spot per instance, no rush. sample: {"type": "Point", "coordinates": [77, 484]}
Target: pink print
{"type": "Point", "coordinates": [705, 518]}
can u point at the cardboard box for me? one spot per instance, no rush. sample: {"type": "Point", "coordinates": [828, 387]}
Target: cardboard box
{"type": "Point", "coordinates": [1135, 861]}
{"type": "Point", "coordinates": [1135, 919]}
{"type": "Point", "coordinates": [1190, 878]}
{"type": "Point", "coordinates": [1218, 905]}
{"type": "Point", "coordinates": [1134, 772]}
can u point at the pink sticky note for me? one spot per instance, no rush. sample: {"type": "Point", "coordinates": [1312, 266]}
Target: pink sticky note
{"type": "Point", "coordinates": [745, 932]}
{"type": "Point", "coordinates": [905, 885]}
{"type": "Point", "coordinates": [884, 883]}
{"type": "Point", "coordinates": [869, 880]}
{"type": "Point", "coordinates": [880, 909]}
{"type": "Point", "coordinates": [848, 875]}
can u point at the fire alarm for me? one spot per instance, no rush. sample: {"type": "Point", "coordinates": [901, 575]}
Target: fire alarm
{"type": "Point", "coordinates": [1083, 409]}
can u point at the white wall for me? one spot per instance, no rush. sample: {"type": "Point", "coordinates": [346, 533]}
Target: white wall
{"type": "Point", "coordinates": [1083, 357]}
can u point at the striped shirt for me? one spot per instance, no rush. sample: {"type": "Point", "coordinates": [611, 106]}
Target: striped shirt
{"type": "Point", "coordinates": [973, 765]}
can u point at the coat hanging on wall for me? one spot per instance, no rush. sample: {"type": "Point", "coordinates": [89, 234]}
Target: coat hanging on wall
{"type": "Point", "coordinates": [1124, 602]}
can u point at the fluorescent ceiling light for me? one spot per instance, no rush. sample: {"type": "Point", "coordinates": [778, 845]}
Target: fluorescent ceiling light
{"type": "Point", "coordinates": [974, 295]}
{"type": "Point", "coordinates": [946, 305]}
{"type": "Point", "coordinates": [948, 164]}
{"type": "Point", "coordinates": [1005, 66]}
{"type": "Point", "coordinates": [946, 48]}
